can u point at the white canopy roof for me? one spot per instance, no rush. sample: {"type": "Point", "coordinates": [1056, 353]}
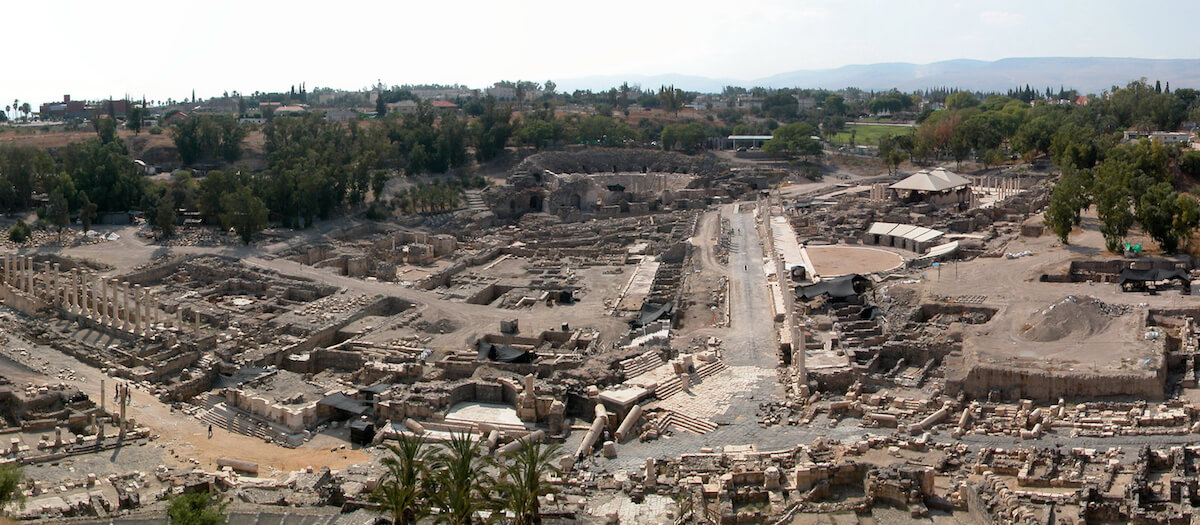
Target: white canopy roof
{"type": "Point", "coordinates": [937, 179]}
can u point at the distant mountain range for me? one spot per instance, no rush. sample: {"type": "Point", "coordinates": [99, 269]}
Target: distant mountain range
{"type": "Point", "coordinates": [1087, 75]}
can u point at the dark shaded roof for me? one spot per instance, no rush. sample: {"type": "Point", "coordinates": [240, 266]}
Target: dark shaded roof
{"type": "Point", "coordinates": [376, 389]}
{"type": "Point", "coordinates": [240, 377]}
{"type": "Point", "coordinates": [652, 312]}
{"type": "Point", "coordinates": [838, 287]}
{"type": "Point", "coordinates": [503, 353]}
{"type": "Point", "coordinates": [1131, 275]}
{"type": "Point", "coordinates": [345, 403]}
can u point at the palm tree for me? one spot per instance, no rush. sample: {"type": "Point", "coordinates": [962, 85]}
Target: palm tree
{"type": "Point", "coordinates": [522, 483]}
{"type": "Point", "coordinates": [462, 481]}
{"type": "Point", "coordinates": [6, 110]}
{"type": "Point", "coordinates": [401, 493]}
{"type": "Point", "coordinates": [26, 109]}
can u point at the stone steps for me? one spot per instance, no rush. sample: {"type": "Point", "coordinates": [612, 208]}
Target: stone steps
{"type": "Point", "coordinates": [216, 413]}
{"type": "Point", "coordinates": [711, 369]}
{"type": "Point", "coordinates": [690, 424]}
{"type": "Point", "coordinates": [474, 200]}
{"type": "Point", "coordinates": [669, 388]}
{"type": "Point", "coordinates": [636, 366]}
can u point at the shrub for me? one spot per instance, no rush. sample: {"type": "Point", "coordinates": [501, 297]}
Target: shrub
{"type": "Point", "coordinates": [20, 232]}
{"type": "Point", "coordinates": [155, 130]}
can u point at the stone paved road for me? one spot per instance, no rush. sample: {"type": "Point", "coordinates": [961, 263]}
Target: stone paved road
{"type": "Point", "coordinates": [749, 344]}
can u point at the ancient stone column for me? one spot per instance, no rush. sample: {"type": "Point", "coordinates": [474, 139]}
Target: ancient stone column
{"type": "Point", "coordinates": [8, 268]}
{"type": "Point", "coordinates": [103, 317]}
{"type": "Point", "coordinates": [179, 318]}
{"type": "Point", "coordinates": [124, 400]}
{"type": "Point", "coordinates": [94, 295]}
{"type": "Point", "coordinates": [138, 318]}
{"type": "Point", "coordinates": [74, 302]}
{"type": "Point", "coordinates": [126, 307]}
{"type": "Point", "coordinates": [115, 313]}
{"type": "Point", "coordinates": [29, 263]}
{"type": "Point", "coordinates": [88, 295]}
{"type": "Point", "coordinates": [48, 289]}
{"type": "Point", "coordinates": [102, 396]}
{"type": "Point", "coordinates": [147, 306]}
{"type": "Point", "coordinates": [197, 324]}
{"type": "Point", "coordinates": [58, 286]}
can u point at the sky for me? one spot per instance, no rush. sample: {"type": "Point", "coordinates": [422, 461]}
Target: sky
{"type": "Point", "coordinates": [163, 50]}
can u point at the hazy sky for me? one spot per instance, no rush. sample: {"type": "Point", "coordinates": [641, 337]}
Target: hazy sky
{"type": "Point", "coordinates": [165, 49]}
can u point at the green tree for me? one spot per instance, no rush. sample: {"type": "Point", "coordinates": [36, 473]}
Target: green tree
{"type": "Point", "coordinates": [11, 475]}
{"type": "Point", "coordinates": [19, 232]}
{"type": "Point", "coordinates": [106, 129]}
{"type": "Point", "coordinates": [134, 119]}
{"type": "Point", "coordinates": [461, 477]}
{"type": "Point", "coordinates": [196, 508]}
{"type": "Point", "coordinates": [164, 215]}
{"type": "Point", "coordinates": [670, 98]}
{"type": "Point", "coordinates": [683, 137]}
{"type": "Point", "coordinates": [1113, 205]}
{"type": "Point", "coordinates": [523, 480]}
{"type": "Point", "coordinates": [1186, 220]}
{"type": "Point", "coordinates": [105, 172]}
{"type": "Point", "coordinates": [401, 492]}
{"type": "Point", "coordinates": [231, 133]}
{"type": "Point", "coordinates": [1189, 163]}
{"type": "Point", "coordinates": [792, 139]}
{"type": "Point", "coordinates": [835, 105]}
{"type": "Point", "coordinates": [491, 130]}
{"type": "Point", "coordinates": [1067, 204]}
{"type": "Point", "coordinates": [380, 106]}
{"type": "Point", "coordinates": [378, 181]}
{"type": "Point", "coordinates": [961, 100]}
{"type": "Point", "coordinates": [87, 212]}
{"type": "Point", "coordinates": [244, 212]}
{"type": "Point", "coordinates": [59, 212]}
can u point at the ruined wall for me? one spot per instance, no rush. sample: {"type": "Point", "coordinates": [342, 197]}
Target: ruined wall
{"type": "Point", "coordinates": [1046, 385]}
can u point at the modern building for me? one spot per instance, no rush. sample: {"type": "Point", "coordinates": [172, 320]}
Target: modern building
{"type": "Point", "coordinates": [937, 186]}
{"type": "Point", "coordinates": [65, 110]}
{"type": "Point", "coordinates": [1166, 137]}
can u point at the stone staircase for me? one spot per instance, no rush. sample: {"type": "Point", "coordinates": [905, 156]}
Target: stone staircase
{"type": "Point", "coordinates": [668, 388]}
{"type": "Point", "coordinates": [674, 386]}
{"type": "Point", "coordinates": [636, 366]}
{"type": "Point", "coordinates": [474, 200]}
{"type": "Point", "coordinates": [680, 421]}
{"type": "Point", "coordinates": [711, 369]}
{"type": "Point", "coordinates": [215, 412]}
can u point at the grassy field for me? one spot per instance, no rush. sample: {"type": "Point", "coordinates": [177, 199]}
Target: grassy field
{"type": "Point", "coordinates": [867, 135]}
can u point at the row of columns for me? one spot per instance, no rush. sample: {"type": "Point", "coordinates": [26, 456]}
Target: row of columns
{"type": "Point", "coordinates": [109, 302]}
{"type": "Point", "coordinates": [1005, 187]}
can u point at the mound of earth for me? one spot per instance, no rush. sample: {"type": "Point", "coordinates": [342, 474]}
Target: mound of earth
{"type": "Point", "coordinates": [1071, 318]}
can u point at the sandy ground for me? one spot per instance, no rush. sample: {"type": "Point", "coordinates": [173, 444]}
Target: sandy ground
{"type": "Point", "coordinates": [1012, 288]}
{"type": "Point", "coordinates": [841, 260]}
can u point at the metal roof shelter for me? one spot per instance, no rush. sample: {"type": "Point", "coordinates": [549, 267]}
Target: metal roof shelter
{"type": "Point", "coordinates": [906, 236]}
{"type": "Point", "coordinates": [754, 140]}
{"type": "Point", "coordinates": [937, 179]}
